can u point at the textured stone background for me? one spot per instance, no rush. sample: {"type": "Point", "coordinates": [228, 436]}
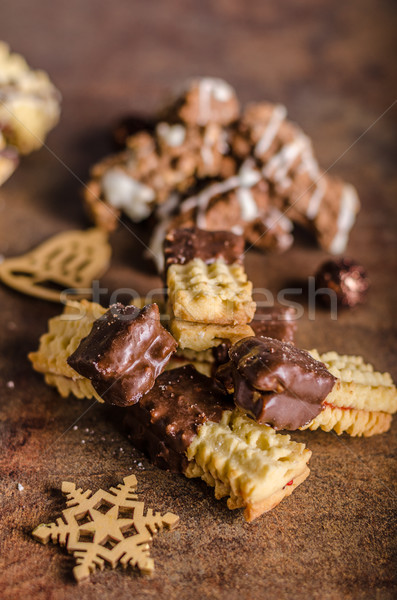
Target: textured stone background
{"type": "Point", "coordinates": [333, 65]}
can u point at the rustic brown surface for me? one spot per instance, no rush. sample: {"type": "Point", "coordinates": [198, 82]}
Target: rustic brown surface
{"type": "Point", "coordinates": [333, 65]}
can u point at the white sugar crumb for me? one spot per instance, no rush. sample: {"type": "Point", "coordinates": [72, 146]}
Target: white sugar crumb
{"type": "Point", "coordinates": [75, 427]}
{"type": "Point", "coordinates": [10, 385]}
{"type": "Point", "coordinates": [20, 487]}
{"type": "Point", "coordinates": [83, 441]}
{"type": "Point", "coordinates": [86, 430]}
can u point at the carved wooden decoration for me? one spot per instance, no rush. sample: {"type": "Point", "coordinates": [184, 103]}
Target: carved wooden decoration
{"type": "Point", "coordinates": [107, 527]}
{"type": "Point", "coordinates": [69, 260]}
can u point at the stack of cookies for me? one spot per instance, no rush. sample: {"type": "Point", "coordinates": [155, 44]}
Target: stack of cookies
{"type": "Point", "coordinates": [210, 298]}
{"type": "Point", "coordinates": [221, 426]}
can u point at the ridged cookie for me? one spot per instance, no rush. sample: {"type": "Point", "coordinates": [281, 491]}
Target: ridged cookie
{"type": "Point", "coordinates": [65, 333]}
{"type": "Point", "coordinates": [251, 464]}
{"type": "Point", "coordinates": [215, 293]}
{"type": "Point", "coordinates": [362, 400]}
{"type": "Point", "coordinates": [199, 336]}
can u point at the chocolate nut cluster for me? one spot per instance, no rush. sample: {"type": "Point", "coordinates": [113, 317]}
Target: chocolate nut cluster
{"type": "Point", "coordinates": [205, 162]}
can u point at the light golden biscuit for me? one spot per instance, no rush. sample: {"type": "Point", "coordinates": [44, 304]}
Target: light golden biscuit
{"type": "Point", "coordinates": [203, 356]}
{"type": "Point", "coordinates": [358, 385]}
{"type": "Point", "coordinates": [362, 400]}
{"type": "Point", "coordinates": [351, 421]}
{"type": "Point", "coordinates": [250, 463]}
{"type": "Point", "coordinates": [65, 333]}
{"type": "Point", "coordinates": [217, 293]}
{"type": "Point", "coordinates": [199, 337]}
{"type": "Point", "coordinates": [81, 388]}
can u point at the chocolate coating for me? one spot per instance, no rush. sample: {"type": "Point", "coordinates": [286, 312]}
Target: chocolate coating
{"type": "Point", "coordinates": [183, 245]}
{"type": "Point", "coordinates": [346, 278]}
{"type": "Point", "coordinates": [275, 382]}
{"type": "Point", "coordinates": [281, 410]}
{"type": "Point", "coordinates": [125, 351]}
{"type": "Point", "coordinates": [269, 321]}
{"type": "Point", "coordinates": [275, 322]}
{"type": "Point", "coordinates": [221, 352]}
{"type": "Point", "coordinates": [167, 418]}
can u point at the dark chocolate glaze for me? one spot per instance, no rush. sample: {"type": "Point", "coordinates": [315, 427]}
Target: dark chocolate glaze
{"type": "Point", "coordinates": [221, 352]}
{"type": "Point", "coordinates": [346, 278]}
{"type": "Point", "coordinates": [280, 410]}
{"type": "Point", "coordinates": [271, 365]}
{"type": "Point", "coordinates": [167, 418]}
{"type": "Point", "coordinates": [125, 351]}
{"type": "Point", "coordinates": [183, 245]}
{"type": "Point", "coordinates": [275, 322]}
{"type": "Point", "coordinates": [275, 382]}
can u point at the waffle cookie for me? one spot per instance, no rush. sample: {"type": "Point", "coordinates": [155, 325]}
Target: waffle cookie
{"type": "Point", "coordinates": [210, 298]}
{"type": "Point", "coordinates": [217, 293]}
{"type": "Point", "coordinates": [29, 109]}
{"type": "Point", "coordinates": [200, 337]}
{"type": "Point", "coordinates": [362, 401]}
{"type": "Point", "coordinates": [64, 335]}
{"type": "Point", "coordinates": [185, 424]}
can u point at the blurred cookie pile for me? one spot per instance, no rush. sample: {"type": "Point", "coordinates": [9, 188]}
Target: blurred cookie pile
{"type": "Point", "coordinates": [205, 161]}
{"type": "Point", "coordinates": [29, 109]}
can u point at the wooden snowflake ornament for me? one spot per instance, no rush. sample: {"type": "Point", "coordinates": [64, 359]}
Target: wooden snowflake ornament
{"type": "Point", "coordinates": [107, 527]}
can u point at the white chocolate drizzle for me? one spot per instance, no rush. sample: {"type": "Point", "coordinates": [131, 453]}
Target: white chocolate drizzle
{"type": "Point", "coordinates": [163, 213]}
{"type": "Point", "coordinates": [245, 179]}
{"type": "Point", "coordinates": [278, 167]}
{"type": "Point", "coordinates": [284, 237]}
{"type": "Point", "coordinates": [209, 87]}
{"type": "Point", "coordinates": [278, 115]}
{"type": "Point", "coordinates": [349, 205]}
{"type": "Point", "coordinates": [124, 192]}
{"type": "Point", "coordinates": [172, 135]}
{"type": "Point", "coordinates": [249, 176]}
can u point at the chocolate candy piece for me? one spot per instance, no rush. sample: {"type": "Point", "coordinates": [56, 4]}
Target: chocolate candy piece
{"type": "Point", "coordinates": [275, 322]}
{"type": "Point", "coordinates": [125, 351]}
{"type": "Point", "coordinates": [183, 245]}
{"type": "Point", "coordinates": [275, 382]}
{"type": "Point", "coordinates": [165, 421]}
{"type": "Point", "coordinates": [346, 278]}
